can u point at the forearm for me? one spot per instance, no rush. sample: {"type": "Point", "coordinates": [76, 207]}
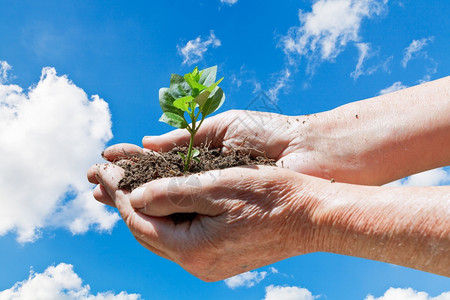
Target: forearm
{"type": "Point", "coordinates": [404, 226]}
{"type": "Point", "coordinates": [388, 137]}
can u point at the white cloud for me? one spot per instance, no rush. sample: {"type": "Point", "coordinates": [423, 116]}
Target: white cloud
{"type": "Point", "coordinates": [245, 78]}
{"type": "Point", "coordinates": [363, 49]}
{"type": "Point", "coordinates": [281, 82]}
{"type": "Point", "coordinates": [4, 69]}
{"type": "Point", "coordinates": [396, 86]}
{"type": "Point", "coordinates": [408, 294]}
{"type": "Point", "coordinates": [58, 283]}
{"type": "Point", "coordinates": [50, 134]}
{"type": "Point", "coordinates": [287, 293]}
{"type": "Point", "coordinates": [247, 279]}
{"type": "Point", "coordinates": [194, 50]}
{"type": "Point", "coordinates": [414, 50]}
{"type": "Point", "coordinates": [425, 78]}
{"type": "Point", "coordinates": [229, 2]}
{"type": "Point", "coordinates": [365, 53]}
{"type": "Point", "coordinates": [328, 28]}
{"type": "Point", "coordinates": [439, 176]}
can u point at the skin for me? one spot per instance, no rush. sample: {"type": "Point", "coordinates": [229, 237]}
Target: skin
{"type": "Point", "coordinates": [253, 216]}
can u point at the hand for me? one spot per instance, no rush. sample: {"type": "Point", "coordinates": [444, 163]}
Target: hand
{"type": "Point", "coordinates": [292, 141]}
{"type": "Point", "coordinates": [247, 217]}
{"type": "Point", "coordinates": [369, 142]}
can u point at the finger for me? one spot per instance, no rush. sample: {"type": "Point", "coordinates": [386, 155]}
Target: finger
{"type": "Point", "coordinates": [211, 131]}
{"type": "Point", "coordinates": [101, 195]}
{"type": "Point", "coordinates": [91, 174]}
{"type": "Point", "coordinates": [161, 235]}
{"type": "Point", "coordinates": [302, 163]}
{"type": "Point", "coordinates": [198, 193]}
{"type": "Point", "coordinates": [153, 232]}
{"type": "Point", "coordinates": [120, 151]}
{"type": "Point", "coordinates": [166, 141]}
{"type": "Point", "coordinates": [109, 176]}
{"type": "Point", "coordinates": [151, 248]}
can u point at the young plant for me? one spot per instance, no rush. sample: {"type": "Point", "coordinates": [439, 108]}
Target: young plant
{"type": "Point", "coordinates": [196, 94]}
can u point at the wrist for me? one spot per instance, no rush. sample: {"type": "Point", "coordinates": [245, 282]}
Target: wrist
{"type": "Point", "coordinates": [378, 140]}
{"type": "Point", "coordinates": [403, 226]}
{"type": "Point", "coordinates": [334, 145]}
{"type": "Point", "coordinates": [309, 226]}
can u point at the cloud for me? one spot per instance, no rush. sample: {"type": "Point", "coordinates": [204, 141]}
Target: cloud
{"type": "Point", "coordinates": [328, 28]}
{"type": "Point", "coordinates": [363, 49]}
{"type": "Point", "coordinates": [287, 293]}
{"type": "Point", "coordinates": [396, 86]}
{"type": "Point", "coordinates": [365, 53]}
{"type": "Point", "coordinates": [439, 176]}
{"type": "Point", "coordinates": [245, 78]}
{"type": "Point", "coordinates": [415, 49]}
{"type": "Point", "coordinates": [425, 78]}
{"type": "Point", "coordinates": [229, 2]}
{"type": "Point", "coordinates": [408, 294]}
{"type": "Point", "coordinates": [281, 83]}
{"type": "Point", "coordinates": [247, 279]}
{"type": "Point", "coordinates": [50, 134]}
{"type": "Point", "coordinates": [4, 69]}
{"type": "Point", "coordinates": [58, 283]}
{"type": "Point", "coordinates": [194, 50]}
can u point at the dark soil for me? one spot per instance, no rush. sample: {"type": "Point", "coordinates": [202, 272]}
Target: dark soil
{"type": "Point", "coordinates": [143, 168]}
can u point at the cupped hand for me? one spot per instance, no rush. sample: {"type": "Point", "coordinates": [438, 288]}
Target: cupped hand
{"type": "Point", "coordinates": [325, 145]}
{"type": "Point", "coordinates": [288, 140]}
{"type": "Point", "coordinates": [246, 217]}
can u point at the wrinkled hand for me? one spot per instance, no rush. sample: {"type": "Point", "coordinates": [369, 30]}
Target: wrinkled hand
{"type": "Point", "coordinates": [247, 217]}
{"type": "Point", "coordinates": [286, 139]}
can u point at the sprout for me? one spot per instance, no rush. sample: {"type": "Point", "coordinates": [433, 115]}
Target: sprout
{"type": "Point", "coordinates": [197, 94]}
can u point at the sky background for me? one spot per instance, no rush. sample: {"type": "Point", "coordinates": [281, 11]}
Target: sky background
{"type": "Point", "coordinates": [76, 76]}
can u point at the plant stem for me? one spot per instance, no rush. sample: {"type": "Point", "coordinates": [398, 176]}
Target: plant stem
{"type": "Point", "coordinates": [189, 154]}
{"type": "Point", "coordinates": [193, 130]}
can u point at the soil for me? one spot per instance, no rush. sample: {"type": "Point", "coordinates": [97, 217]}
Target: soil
{"type": "Point", "coordinates": [142, 168]}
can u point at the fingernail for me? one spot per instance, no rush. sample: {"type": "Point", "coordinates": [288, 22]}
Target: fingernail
{"type": "Point", "coordinates": [136, 195]}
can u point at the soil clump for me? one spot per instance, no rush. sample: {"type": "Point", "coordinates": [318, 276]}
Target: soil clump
{"type": "Point", "coordinates": [142, 168]}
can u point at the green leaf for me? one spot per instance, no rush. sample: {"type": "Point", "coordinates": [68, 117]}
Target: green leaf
{"type": "Point", "coordinates": [208, 76]}
{"type": "Point", "coordinates": [183, 103]}
{"type": "Point", "coordinates": [192, 83]}
{"type": "Point", "coordinates": [196, 159]}
{"type": "Point", "coordinates": [195, 73]}
{"type": "Point", "coordinates": [212, 87]}
{"type": "Point", "coordinates": [179, 87]}
{"type": "Point", "coordinates": [182, 155]}
{"type": "Point", "coordinates": [199, 75]}
{"type": "Point", "coordinates": [214, 102]}
{"type": "Point", "coordinates": [195, 153]}
{"type": "Point", "coordinates": [166, 101]}
{"type": "Point", "coordinates": [173, 120]}
{"type": "Point", "coordinates": [203, 97]}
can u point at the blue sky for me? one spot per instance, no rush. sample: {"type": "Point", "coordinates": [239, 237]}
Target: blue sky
{"type": "Point", "coordinates": [76, 76]}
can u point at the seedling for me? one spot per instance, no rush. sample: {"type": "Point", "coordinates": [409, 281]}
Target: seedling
{"type": "Point", "coordinates": [197, 94]}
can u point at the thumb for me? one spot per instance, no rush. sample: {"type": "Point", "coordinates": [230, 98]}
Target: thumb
{"type": "Point", "coordinates": [197, 193]}
{"type": "Point", "coordinates": [212, 131]}
{"type": "Point", "coordinates": [166, 141]}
